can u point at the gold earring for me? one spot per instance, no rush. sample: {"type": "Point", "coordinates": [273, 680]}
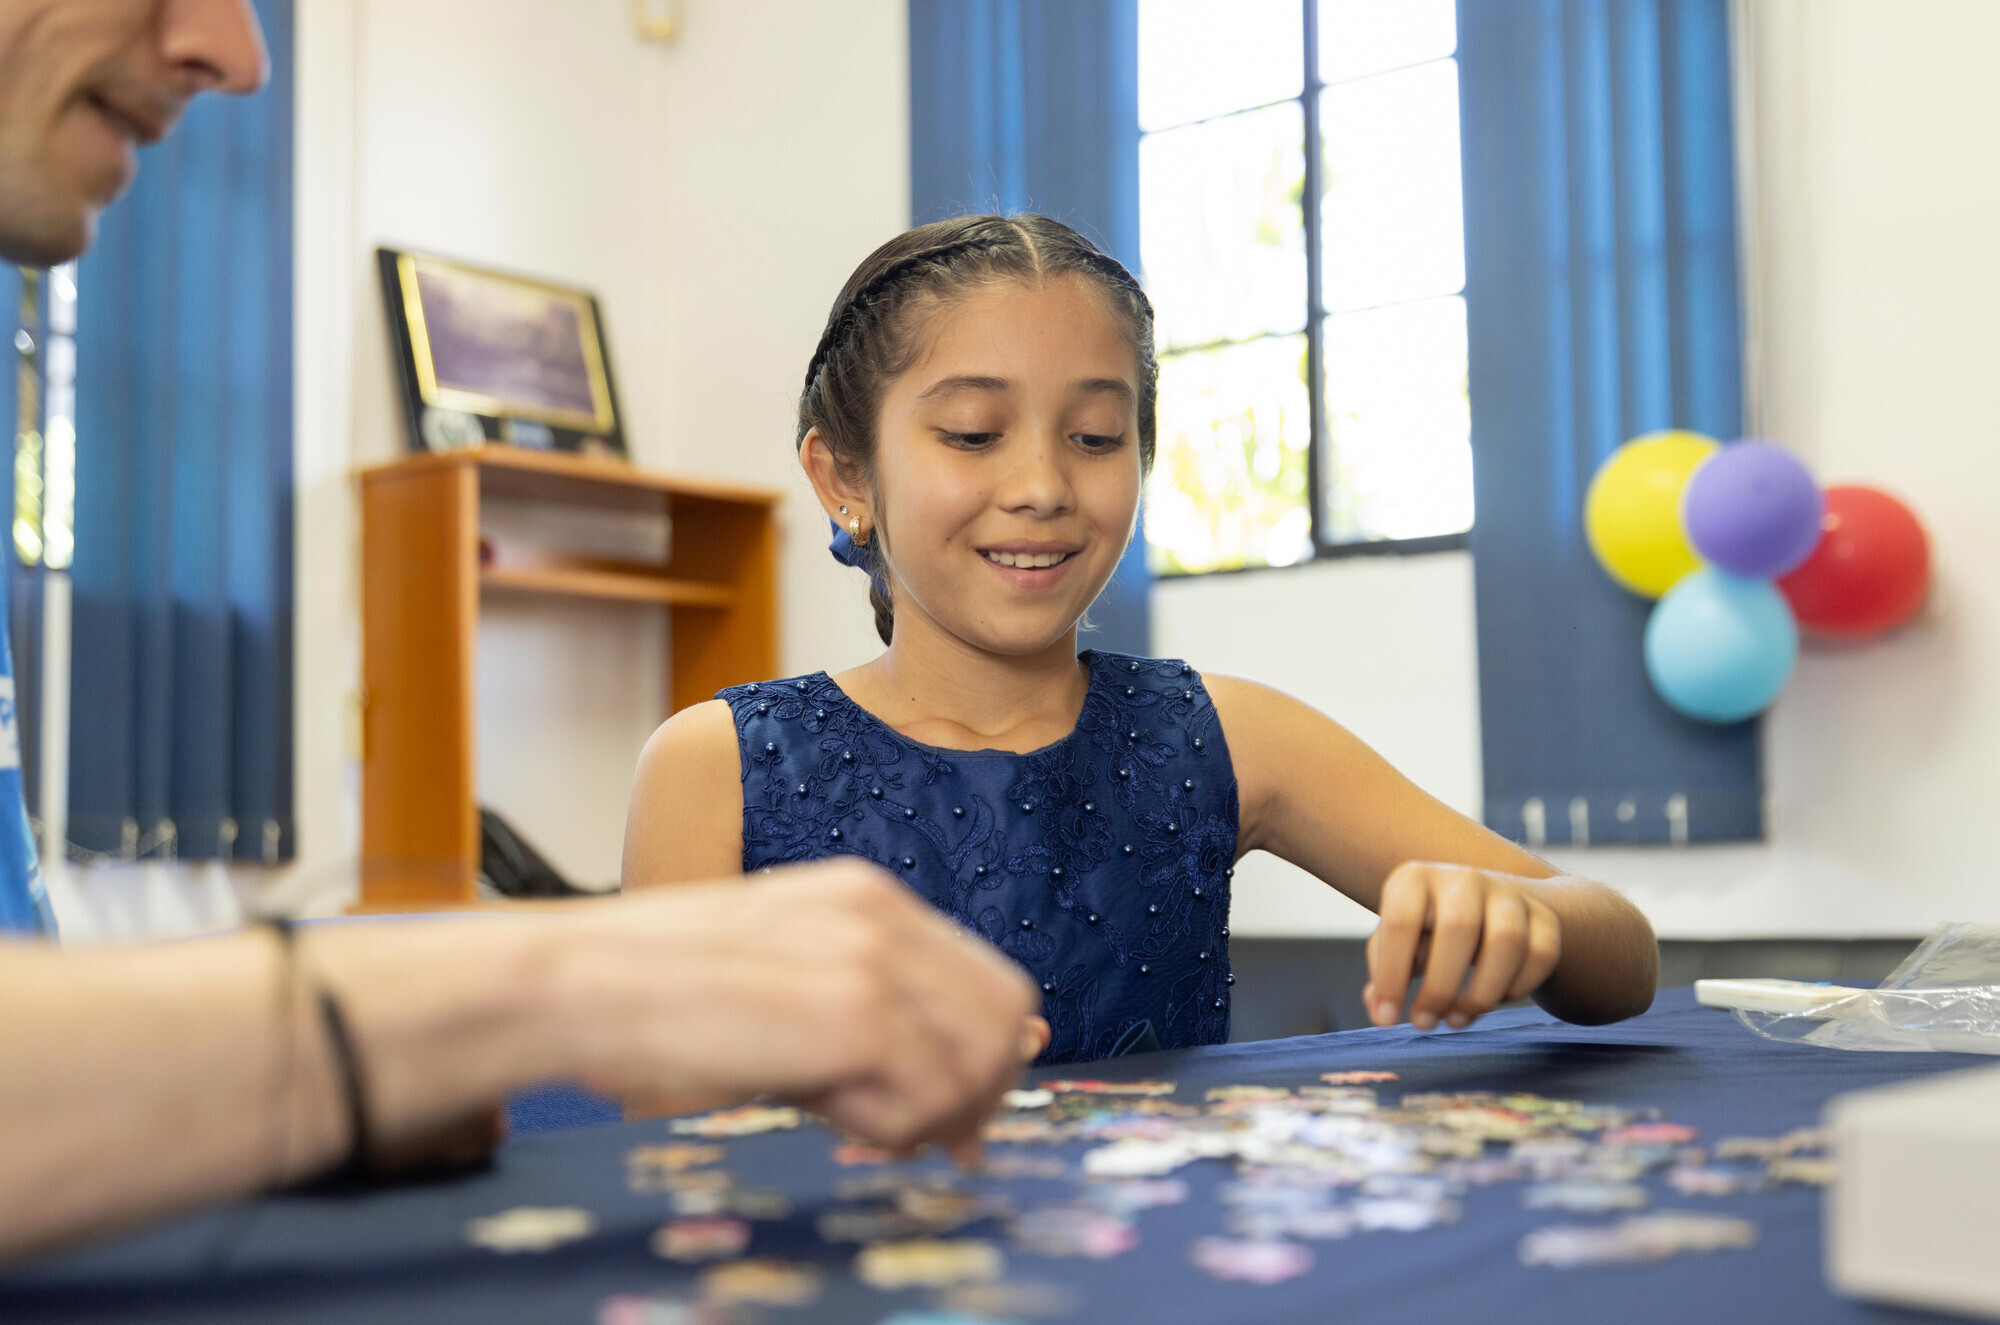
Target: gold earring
{"type": "Point", "coordinates": [854, 527]}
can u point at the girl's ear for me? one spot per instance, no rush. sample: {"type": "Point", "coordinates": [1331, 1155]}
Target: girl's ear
{"type": "Point", "coordinates": [842, 501]}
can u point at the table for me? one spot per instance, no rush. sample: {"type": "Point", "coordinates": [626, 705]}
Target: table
{"type": "Point", "coordinates": [399, 1255]}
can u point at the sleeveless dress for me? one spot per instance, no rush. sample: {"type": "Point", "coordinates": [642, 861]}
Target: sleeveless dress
{"type": "Point", "coordinates": [1100, 863]}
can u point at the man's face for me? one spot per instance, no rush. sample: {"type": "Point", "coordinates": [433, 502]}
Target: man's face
{"type": "Point", "coordinates": [83, 83]}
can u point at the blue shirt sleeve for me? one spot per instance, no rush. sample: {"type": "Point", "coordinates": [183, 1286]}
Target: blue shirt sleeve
{"type": "Point", "coordinates": [24, 901]}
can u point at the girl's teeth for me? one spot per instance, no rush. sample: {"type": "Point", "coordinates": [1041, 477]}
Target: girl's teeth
{"type": "Point", "coordinates": [1026, 560]}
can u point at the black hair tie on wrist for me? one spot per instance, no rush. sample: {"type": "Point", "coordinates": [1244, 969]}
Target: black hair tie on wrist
{"type": "Point", "coordinates": [346, 1061]}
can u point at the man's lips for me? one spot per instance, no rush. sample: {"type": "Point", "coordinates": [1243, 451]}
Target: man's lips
{"type": "Point", "coordinates": [143, 127]}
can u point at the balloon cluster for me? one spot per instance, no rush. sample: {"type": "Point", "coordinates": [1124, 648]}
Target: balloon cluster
{"type": "Point", "coordinates": [1742, 548]}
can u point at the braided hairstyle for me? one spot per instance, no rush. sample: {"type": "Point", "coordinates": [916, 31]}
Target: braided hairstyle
{"type": "Point", "coordinates": [875, 332]}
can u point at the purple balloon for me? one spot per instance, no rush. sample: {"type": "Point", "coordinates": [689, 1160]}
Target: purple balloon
{"type": "Point", "coordinates": [1753, 510]}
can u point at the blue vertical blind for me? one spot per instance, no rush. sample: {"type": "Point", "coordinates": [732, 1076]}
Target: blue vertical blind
{"type": "Point", "coordinates": [181, 700]}
{"type": "Point", "coordinates": [1033, 106]}
{"type": "Point", "coordinates": [1601, 288]}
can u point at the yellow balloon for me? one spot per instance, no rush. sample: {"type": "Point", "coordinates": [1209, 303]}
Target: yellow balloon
{"type": "Point", "coordinates": [1632, 513]}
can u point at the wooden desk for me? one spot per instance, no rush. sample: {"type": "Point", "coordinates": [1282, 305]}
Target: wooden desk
{"type": "Point", "coordinates": [421, 586]}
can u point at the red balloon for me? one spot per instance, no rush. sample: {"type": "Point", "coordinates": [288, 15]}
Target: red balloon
{"type": "Point", "coordinates": [1870, 571]}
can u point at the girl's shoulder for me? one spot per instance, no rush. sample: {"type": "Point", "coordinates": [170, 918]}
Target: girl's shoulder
{"type": "Point", "coordinates": [1252, 712]}
{"type": "Point", "coordinates": [1122, 669]}
{"type": "Point", "coordinates": [757, 692]}
{"type": "Point", "coordinates": [696, 742]}
{"type": "Point", "coordinates": [785, 698]}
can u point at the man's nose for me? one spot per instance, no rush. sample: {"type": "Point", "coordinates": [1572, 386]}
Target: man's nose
{"type": "Point", "coordinates": [219, 39]}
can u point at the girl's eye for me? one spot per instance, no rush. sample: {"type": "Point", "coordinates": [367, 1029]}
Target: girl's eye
{"type": "Point", "coordinates": [970, 440]}
{"type": "Point", "coordinates": [1097, 442]}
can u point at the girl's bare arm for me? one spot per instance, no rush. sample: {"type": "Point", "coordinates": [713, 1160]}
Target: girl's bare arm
{"type": "Point", "coordinates": [1481, 919]}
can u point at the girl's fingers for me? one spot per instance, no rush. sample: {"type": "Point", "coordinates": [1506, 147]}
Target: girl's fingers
{"type": "Point", "coordinates": [1405, 906]}
{"type": "Point", "coordinates": [1502, 947]}
{"type": "Point", "coordinates": [1544, 951]}
{"type": "Point", "coordinates": [1459, 900]}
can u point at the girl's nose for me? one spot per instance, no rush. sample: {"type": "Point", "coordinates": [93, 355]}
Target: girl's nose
{"type": "Point", "coordinates": [1037, 481]}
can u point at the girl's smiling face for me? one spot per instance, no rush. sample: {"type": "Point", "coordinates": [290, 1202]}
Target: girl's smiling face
{"type": "Point", "coordinates": [1007, 466]}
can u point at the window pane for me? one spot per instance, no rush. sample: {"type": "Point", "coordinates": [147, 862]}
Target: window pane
{"type": "Point", "coordinates": [1359, 37]}
{"type": "Point", "coordinates": [1222, 234]}
{"type": "Point", "coordinates": [1392, 223]}
{"type": "Point", "coordinates": [1229, 484]}
{"type": "Point", "coordinates": [1399, 453]}
{"type": "Point", "coordinates": [1201, 57]}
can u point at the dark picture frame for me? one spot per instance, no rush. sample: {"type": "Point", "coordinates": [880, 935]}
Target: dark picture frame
{"type": "Point", "coordinates": [492, 356]}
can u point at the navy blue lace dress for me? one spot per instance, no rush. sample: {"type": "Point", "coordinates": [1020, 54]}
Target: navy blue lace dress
{"type": "Point", "coordinates": [1100, 863]}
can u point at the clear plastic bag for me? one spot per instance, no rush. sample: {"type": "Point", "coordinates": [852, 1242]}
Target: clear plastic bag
{"type": "Point", "coordinates": [1945, 997]}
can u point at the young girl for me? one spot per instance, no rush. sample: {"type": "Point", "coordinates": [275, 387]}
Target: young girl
{"type": "Point", "coordinates": [977, 422]}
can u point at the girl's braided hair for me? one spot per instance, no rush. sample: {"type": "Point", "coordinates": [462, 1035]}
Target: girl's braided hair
{"type": "Point", "coordinates": [875, 330]}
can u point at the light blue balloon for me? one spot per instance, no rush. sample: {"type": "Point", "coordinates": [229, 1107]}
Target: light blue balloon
{"type": "Point", "coordinates": [1720, 648]}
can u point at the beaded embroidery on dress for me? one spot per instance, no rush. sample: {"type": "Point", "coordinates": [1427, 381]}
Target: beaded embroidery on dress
{"type": "Point", "coordinates": [1100, 863]}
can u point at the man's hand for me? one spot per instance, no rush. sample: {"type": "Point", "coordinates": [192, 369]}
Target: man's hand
{"type": "Point", "coordinates": [831, 985]}
{"type": "Point", "coordinates": [1441, 921]}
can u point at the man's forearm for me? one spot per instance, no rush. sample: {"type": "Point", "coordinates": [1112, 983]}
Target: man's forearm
{"type": "Point", "coordinates": [158, 1078]}
{"type": "Point", "coordinates": [148, 1080]}
{"type": "Point", "coordinates": [137, 1082]}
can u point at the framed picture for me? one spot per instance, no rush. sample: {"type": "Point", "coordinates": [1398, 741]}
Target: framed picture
{"type": "Point", "coordinates": [486, 356]}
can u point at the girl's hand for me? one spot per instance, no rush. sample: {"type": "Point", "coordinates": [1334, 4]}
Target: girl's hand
{"type": "Point", "coordinates": [1443, 921]}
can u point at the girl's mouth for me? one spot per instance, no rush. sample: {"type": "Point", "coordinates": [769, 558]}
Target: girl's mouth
{"type": "Point", "coordinates": [1028, 560]}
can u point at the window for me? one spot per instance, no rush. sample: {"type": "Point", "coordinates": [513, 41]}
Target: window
{"type": "Point", "coordinates": [45, 422]}
{"type": "Point", "coordinates": [1302, 239]}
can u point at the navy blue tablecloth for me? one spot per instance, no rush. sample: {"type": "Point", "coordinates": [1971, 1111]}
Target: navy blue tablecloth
{"type": "Point", "coordinates": [400, 1255]}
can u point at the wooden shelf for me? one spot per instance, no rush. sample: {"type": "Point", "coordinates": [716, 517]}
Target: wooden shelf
{"type": "Point", "coordinates": [421, 587]}
{"type": "Point", "coordinates": [568, 479]}
{"type": "Point", "coordinates": [624, 586]}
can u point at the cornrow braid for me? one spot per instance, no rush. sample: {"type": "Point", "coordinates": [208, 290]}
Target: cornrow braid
{"type": "Point", "coordinates": [850, 308]}
{"type": "Point", "coordinates": [873, 334]}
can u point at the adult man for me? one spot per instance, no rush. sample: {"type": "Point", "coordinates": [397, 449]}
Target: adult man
{"type": "Point", "coordinates": [141, 1081]}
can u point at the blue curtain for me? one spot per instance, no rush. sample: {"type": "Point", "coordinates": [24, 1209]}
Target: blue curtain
{"type": "Point", "coordinates": [1033, 106]}
{"type": "Point", "coordinates": [181, 711]}
{"type": "Point", "coordinates": [1601, 291]}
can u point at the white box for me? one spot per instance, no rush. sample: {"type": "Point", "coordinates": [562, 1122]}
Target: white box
{"type": "Point", "coordinates": [1914, 1213]}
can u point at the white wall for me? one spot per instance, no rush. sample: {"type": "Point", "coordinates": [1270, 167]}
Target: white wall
{"type": "Point", "coordinates": [1873, 266]}
{"type": "Point", "coordinates": [1382, 644]}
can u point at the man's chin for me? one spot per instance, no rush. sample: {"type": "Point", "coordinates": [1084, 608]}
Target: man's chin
{"type": "Point", "coordinates": [46, 239]}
